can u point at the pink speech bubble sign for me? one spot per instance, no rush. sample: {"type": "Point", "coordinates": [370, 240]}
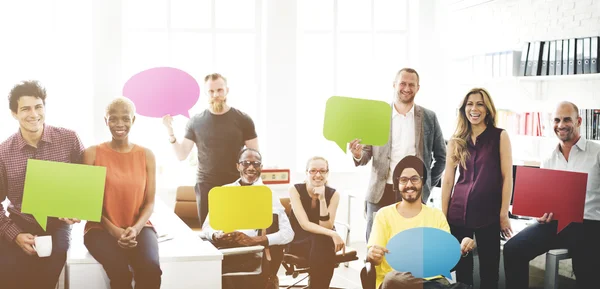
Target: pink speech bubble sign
{"type": "Point", "coordinates": [159, 91]}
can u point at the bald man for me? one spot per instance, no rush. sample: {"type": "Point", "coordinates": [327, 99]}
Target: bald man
{"type": "Point", "coordinates": [573, 153]}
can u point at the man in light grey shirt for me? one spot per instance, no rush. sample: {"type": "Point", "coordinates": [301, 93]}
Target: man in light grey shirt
{"type": "Point", "coordinates": [576, 154]}
{"type": "Point", "coordinates": [280, 233]}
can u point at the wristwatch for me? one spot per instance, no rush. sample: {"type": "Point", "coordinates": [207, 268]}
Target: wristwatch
{"type": "Point", "coordinates": [172, 139]}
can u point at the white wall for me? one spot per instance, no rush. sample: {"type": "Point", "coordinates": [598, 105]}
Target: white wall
{"type": "Point", "coordinates": [502, 25]}
{"type": "Point", "coordinates": [279, 139]}
{"type": "Point", "coordinates": [506, 24]}
{"type": "Point", "coordinates": [57, 53]}
{"type": "Point", "coordinates": [106, 22]}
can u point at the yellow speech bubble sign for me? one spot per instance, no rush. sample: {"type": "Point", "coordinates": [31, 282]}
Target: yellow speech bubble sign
{"type": "Point", "coordinates": [232, 208]}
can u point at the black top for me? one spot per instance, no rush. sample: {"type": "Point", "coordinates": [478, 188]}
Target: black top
{"type": "Point", "coordinates": [219, 139]}
{"type": "Point", "coordinates": [311, 213]}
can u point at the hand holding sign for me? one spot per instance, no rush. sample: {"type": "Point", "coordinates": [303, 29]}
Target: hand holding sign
{"type": "Point", "coordinates": [425, 252]}
{"type": "Point", "coordinates": [63, 190]}
{"type": "Point", "coordinates": [349, 118]}
{"type": "Point", "coordinates": [540, 191]}
{"type": "Point", "coordinates": [162, 90]}
{"type": "Point", "coordinates": [233, 208]}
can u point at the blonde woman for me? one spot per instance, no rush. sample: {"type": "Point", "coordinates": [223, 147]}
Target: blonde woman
{"type": "Point", "coordinates": [314, 205]}
{"type": "Point", "coordinates": [479, 203]}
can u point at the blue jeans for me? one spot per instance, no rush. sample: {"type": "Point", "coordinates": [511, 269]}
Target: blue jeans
{"type": "Point", "coordinates": [19, 270]}
{"type": "Point", "coordinates": [143, 259]}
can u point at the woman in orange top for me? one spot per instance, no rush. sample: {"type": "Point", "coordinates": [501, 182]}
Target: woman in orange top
{"type": "Point", "coordinates": [125, 237]}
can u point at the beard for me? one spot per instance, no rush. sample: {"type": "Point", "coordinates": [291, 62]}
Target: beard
{"type": "Point", "coordinates": [217, 105]}
{"type": "Point", "coordinates": [406, 198]}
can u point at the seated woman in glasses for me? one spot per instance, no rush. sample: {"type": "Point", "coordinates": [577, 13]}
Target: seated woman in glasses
{"type": "Point", "coordinates": [314, 205]}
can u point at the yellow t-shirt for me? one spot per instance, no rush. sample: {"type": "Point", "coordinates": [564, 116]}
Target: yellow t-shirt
{"type": "Point", "coordinates": [388, 222]}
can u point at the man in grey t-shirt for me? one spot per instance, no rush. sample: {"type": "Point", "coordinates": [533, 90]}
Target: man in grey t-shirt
{"type": "Point", "coordinates": [219, 132]}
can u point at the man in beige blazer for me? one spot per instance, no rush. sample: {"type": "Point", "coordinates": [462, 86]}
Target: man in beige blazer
{"type": "Point", "coordinates": [416, 131]}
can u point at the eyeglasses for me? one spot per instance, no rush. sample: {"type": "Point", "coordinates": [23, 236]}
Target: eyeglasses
{"type": "Point", "coordinates": [413, 179]}
{"type": "Point", "coordinates": [314, 172]}
{"type": "Point", "coordinates": [246, 164]}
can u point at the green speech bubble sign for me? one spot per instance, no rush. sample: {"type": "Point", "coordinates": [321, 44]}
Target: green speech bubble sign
{"type": "Point", "coordinates": [348, 118]}
{"type": "Point", "coordinates": [63, 190]}
{"type": "Point", "coordinates": [233, 208]}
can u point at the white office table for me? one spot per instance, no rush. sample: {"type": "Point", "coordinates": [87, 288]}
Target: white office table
{"type": "Point", "coordinates": [185, 260]}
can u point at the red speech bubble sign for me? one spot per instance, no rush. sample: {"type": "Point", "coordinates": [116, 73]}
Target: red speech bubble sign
{"type": "Point", "coordinates": [539, 191]}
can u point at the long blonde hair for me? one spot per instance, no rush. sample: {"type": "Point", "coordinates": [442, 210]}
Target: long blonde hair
{"type": "Point", "coordinates": [463, 131]}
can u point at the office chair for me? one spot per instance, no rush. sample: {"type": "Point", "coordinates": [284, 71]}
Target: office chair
{"type": "Point", "coordinates": [295, 265]}
{"type": "Point", "coordinates": [253, 260]}
{"type": "Point", "coordinates": [186, 208]}
{"type": "Point", "coordinates": [255, 268]}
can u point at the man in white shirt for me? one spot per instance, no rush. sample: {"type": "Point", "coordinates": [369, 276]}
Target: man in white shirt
{"type": "Point", "coordinates": [415, 131]}
{"type": "Point", "coordinates": [250, 167]}
{"type": "Point", "coordinates": [575, 154]}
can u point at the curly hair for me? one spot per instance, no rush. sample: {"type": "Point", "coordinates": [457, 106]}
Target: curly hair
{"type": "Point", "coordinates": [25, 88]}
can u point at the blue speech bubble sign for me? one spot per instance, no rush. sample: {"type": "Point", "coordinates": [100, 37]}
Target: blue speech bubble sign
{"type": "Point", "coordinates": [424, 252]}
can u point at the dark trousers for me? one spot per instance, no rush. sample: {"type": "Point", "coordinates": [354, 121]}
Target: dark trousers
{"type": "Point", "coordinates": [581, 239]}
{"type": "Point", "coordinates": [388, 198]}
{"type": "Point", "coordinates": [488, 250]}
{"type": "Point", "coordinates": [319, 251]}
{"type": "Point", "coordinates": [116, 261]}
{"type": "Point", "coordinates": [19, 270]}
{"type": "Point", "coordinates": [202, 190]}
{"type": "Point", "coordinates": [248, 262]}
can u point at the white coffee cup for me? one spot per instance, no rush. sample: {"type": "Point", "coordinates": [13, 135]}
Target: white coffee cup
{"type": "Point", "coordinates": [43, 245]}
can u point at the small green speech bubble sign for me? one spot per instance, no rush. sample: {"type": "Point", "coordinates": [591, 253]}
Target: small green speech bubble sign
{"type": "Point", "coordinates": [232, 208]}
{"type": "Point", "coordinates": [63, 190]}
{"type": "Point", "coordinates": [348, 118]}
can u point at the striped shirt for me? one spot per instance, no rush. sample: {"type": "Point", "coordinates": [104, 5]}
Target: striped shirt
{"type": "Point", "coordinates": [56, 144]}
